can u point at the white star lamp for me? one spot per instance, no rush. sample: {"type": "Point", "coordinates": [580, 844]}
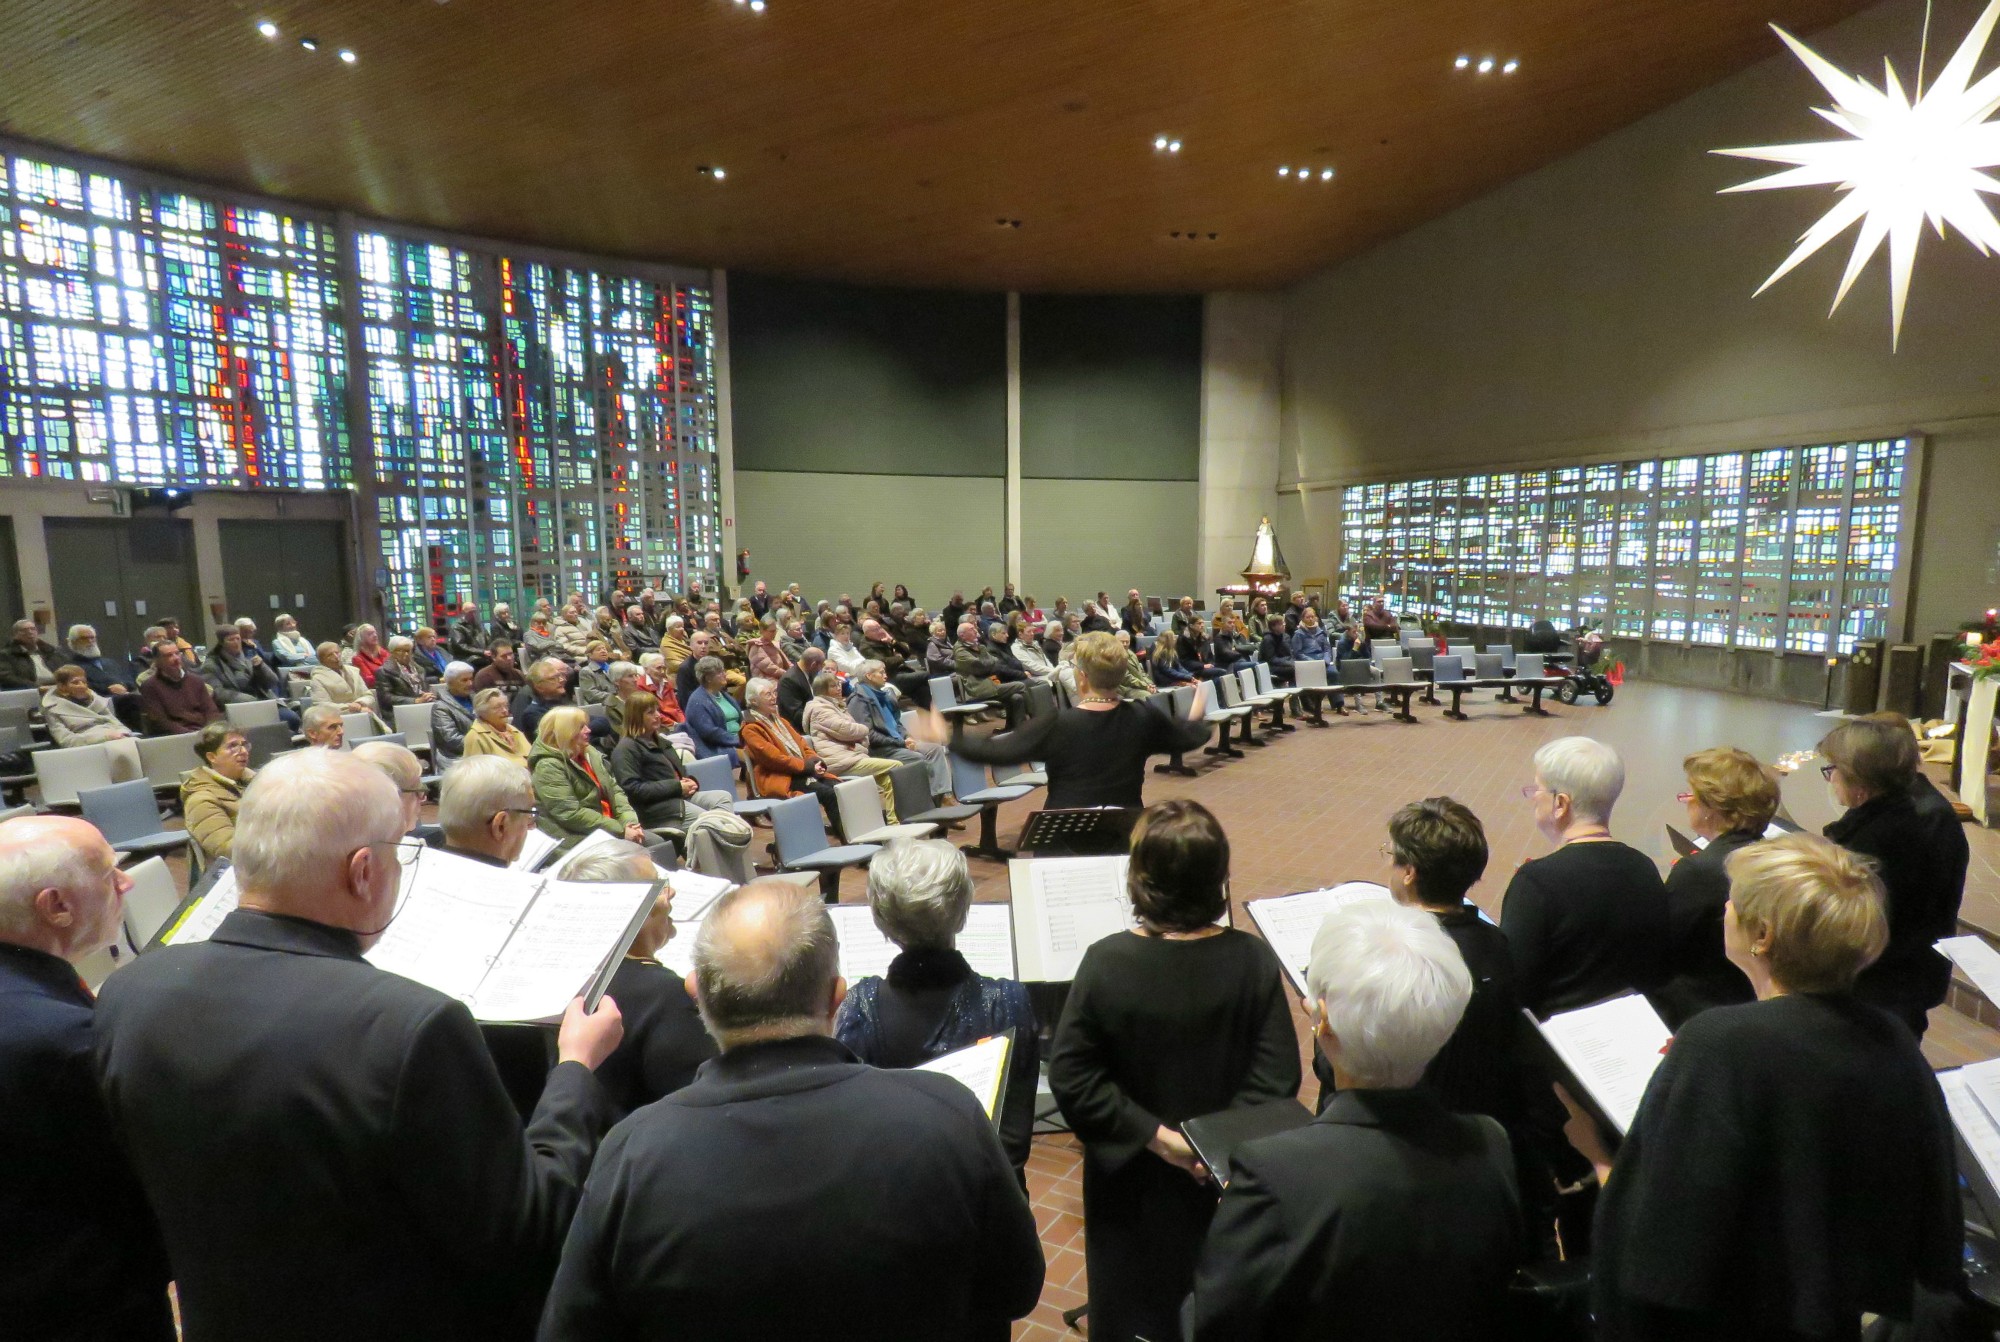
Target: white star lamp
{"type": "Point", "coordinates": [1906, 161]}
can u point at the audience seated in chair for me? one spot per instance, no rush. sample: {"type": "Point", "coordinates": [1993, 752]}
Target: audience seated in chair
{"type": "Point", "coordinates": [28, 661]}
{"type": "Point", "coordinates": [500, 670]}
{"type": "Point", "coordinates": [547, 688]}
{"type": "Point", "coordinates": [402, 679]}
{"type": "Point", "coordinates": [655, 782]}
{"type": "Point", "coordinates": [451, 715]}
{"type": "Point", "coordinates": [714, 719]}
{"type": "Point", "coordinates": [76, 716]}
{"type": "Point", "coordinates": [783, 762]}
{"type": "Point", "coordinates": [174, 699]}
{"type": "Point", "coordinates": [324, 727]}
{"type": "Point", "coordinates": [980, 676]}
{"type": "Point", "coordinates": [211, 794]}
{"type": "Point", "coordinates": [493, 731]}
{"type": "Point", "coordinates": [874, 707]}
{"type": "Point", "coordinates": [290, 648]}
{"type": "Point", "coordinates": [575, 790]}
{"type": "Point", "coordinates": [842, 743]}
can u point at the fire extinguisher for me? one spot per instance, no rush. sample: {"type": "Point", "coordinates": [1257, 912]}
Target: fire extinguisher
{"type": "Point", "coordinates": [742, 565]}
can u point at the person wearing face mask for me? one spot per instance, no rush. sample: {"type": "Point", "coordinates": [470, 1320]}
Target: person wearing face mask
{"type": "Point", "coordinates": [250, 1076]}
{"type": "Point", "coordinates": [1870, 775]}
{"type": "Point", "coordinates": [1588, 921]}
{"type": "Point", "coordinates": [1791, 1166]}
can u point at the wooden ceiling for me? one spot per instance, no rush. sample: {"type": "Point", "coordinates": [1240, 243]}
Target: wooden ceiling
{"type": "Point", "coordinates": [876, 140]}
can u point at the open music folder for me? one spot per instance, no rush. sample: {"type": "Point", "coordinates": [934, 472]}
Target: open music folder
{"type": "Point", "coordinates": [1290, 922]}
{"type": "Point", "coordinates": [981, 1068]}
{"type": "Point", "coordinates": [986, 941]}
{"type": "Point", "coordinates": [1979, 961]}
{"type": "Point", "coordinates": [1062, 907]}
{"type": "Point", "coordinates": [1604, 1055]}
{"type": "Point", "coordinates": [513, 946]}
{"type": "Point", "coordinates": [1967, 1093]}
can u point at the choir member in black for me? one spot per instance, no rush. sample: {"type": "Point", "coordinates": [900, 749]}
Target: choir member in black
{"type": "Point", "coordinates": [1730, 800]}
{"type": "Point", "coordinates": [1892, 813]}
{"type": "Point", "coordinates": [326, 1145]}
{"type": "Point", "coordinates": [791, 1191]}
{"type": "Point", "coordinates": [664, 1040]}
{"type": "Point", "coordinates": [1178, 1019]}
{"type": "Point", "coordinates": [1096, 751]}
{"type": "Point", "coordinates": [1791, 1165]}
{"type": "Point", "coordinates": [1437, 853]}
{"type": "Point", "coordinates": [1388, 1216]}
{"type": "Point", "coordinates": [931, 1002]}
{"type": "Point", "coordinates": [1589, 921]}
{"type": "Point", "coordinates": [80, 1254]}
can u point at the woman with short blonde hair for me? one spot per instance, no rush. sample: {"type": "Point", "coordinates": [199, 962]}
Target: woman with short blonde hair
{"type": "Point", "coordinates": [1730, 801]}
{"type": "Point", "coordinates": [1807, 1097]}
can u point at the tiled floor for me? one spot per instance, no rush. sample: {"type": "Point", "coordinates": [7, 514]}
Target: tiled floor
{"type": "Point", "coordinates": [1311, 808]}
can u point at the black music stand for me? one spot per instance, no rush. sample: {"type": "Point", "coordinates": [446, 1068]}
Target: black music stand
{"type": "Point", "coordinates": [1091, 831]}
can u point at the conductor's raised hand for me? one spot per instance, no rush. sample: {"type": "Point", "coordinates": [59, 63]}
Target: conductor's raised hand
{"type": "Point", "coordinates": [589, 1037]}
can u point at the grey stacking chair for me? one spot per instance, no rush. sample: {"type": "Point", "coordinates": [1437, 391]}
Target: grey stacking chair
{"type": "Point", "coordinates": [970, 785]}
{"type": "Point", "coordinates": [166, 758]}
{"type": "Point", "coordinates": [267, 743]}
{"type": "Point", "coordinates": [800, 835]}
{"type": "Point", "coordinates": [64, 773]}
{"type": "Point", "coordinates": [129, 818]}
{"type": "Point", "coordinates": [860, 805]}
{"type": "Point", "coordinates": [911, 782]}
{"type": "Point", "coordinates": [253, 713]}
{"type": "Point", "coordinates": [150, 902]}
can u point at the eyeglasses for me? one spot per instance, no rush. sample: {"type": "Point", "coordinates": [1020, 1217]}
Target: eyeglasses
{"type": "Point", "coordinates": [533, 812]}
{"type": "Point", "coordinates": [406, 850]}
{"type": "Point", "coordinates": [236, 745]}
{"type": "Point", "coordinates": [1387, 850]}
{"type": "Point", "coordinates": [1531, 791]}
{"type": "Point", "coordinates": [1826, 771]}
{"type": "Point", "coordinates": [1684, 796]}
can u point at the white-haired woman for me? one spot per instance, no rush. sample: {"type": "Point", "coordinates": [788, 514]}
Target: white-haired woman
{"type": "Point", "coordinates": [664, 1041]}
{"type": "Point", "coordinates": [493, 731]}
{"type": "Point", "coordinates": [1791, 1165]}
{"type": "Point", "coordinates": [1391, 1214]}
{"type": "Point", "coordinates": [1589, 920]}
{"type": "Point", "coordinates": [931, 1002]}
{"type": "Point", "coordinates": [402, 679]}
{"type": "Point", "coordinates": [334, 682]}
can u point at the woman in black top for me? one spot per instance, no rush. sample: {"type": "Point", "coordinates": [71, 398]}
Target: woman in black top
{"type": "Point", "coordinates": [931, 1002]}
{"type": "Point", "coordinates": [665, 1042]}
{"type": "Point", "coordinates": [1870, 772]}
{"type": "Point", "coordinates": [1791, 1164]}
{"type": "Point", "coordinates": [1589, 921]}
{"type": "Point", "coordinates": [1178, 1019]}
{"type": "Point", "coordinates": [1096, 752]}
{"type": "Point", "coordinates": [1730, 801]}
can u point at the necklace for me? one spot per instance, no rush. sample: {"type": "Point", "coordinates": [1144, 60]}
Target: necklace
{"type": "Point", "coordinates": [1097, 699]}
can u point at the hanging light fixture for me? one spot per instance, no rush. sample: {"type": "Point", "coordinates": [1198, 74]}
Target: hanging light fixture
{"type": "Point", "coordinates": [1907, 160]}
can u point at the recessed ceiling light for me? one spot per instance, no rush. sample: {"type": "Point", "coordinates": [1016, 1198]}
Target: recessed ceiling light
{"type": "Point", "coordinates": [1461, 62]}
{"type": "Point", "coordinates": [1159, 142]}
{"type": "Point", "coordinates": [347, 56]}
{"type": "Point", "coordinates": [1510, 67]}
{"type": "Point", "coordinates": [309, 43]}
{"type": "Point", "coordinates": [1486, 66]}
{"type": "Point", "coordinates": [756, 6]}
{"type": "Point", "coordinates": [1284, 172]}
{"type": "Point", "coordinates": [268, 28]}
{"type": "Point", "coordinates": [1173, 146]}
{"type": "Point", "coordinates": [1326, 174]}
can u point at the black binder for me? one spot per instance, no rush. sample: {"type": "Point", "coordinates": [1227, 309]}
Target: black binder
{"type": "Point", "coordinates": [1215, 1136]}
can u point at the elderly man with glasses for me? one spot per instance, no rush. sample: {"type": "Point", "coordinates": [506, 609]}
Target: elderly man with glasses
{"type": "Point", "coordinates": [327, 1145]}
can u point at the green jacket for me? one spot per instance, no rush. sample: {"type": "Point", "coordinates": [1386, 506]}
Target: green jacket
{"type": "Point", "coordinates": [572, 805]}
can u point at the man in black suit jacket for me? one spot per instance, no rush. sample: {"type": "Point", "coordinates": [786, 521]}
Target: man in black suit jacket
{"type": "Point", "coordinates": [790, 1191]}
{"type": "Point", "coordinates": [80, 1256]}
{"type": "Point", "coordinates": [1387, 1216]}
{"type": "Point", "coordinates": [327, 1145]}
{"type": "Point", "coordinates": [795, 687]}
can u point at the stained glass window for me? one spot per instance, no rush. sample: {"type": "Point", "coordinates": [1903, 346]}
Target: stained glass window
{"type": "Point", "coordinates": [153, 337]}
{"type": "Point", "coordinates": [540, 429]}
{"type": "Point", "coordinates": [1791, 546]}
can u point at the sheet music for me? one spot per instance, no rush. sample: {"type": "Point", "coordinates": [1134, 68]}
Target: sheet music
{"type": "Point", "coordinates": [678, 953]}
{"type": "Point", "coordinates": [1980, 962]}
{"type": "Point", "coordinates": [982, 1069]}
{"type": "Point", "coordinates": [1612, 1049]}
{"type": "Point", "coordinates": [1975, 1126]}
{"type": "Point", "coordinates": [987, 940]}
{"type": "Point", "coordinates": [864, 951]}
{"type": "Point", "coordinates": [1069, 904]}
{"type": "Point", "coordinates": [694, 893]}
{"type": "Point", "coordinates": [566, 937]}
{"type": "Point", "coordinates": [534, 849]}
{"type": "Point", "coordinates": [1290, 922]}
{"type": "Point", "coordinates": [200, 922]}
{"type": "Point", "coordinates": [456, 914]}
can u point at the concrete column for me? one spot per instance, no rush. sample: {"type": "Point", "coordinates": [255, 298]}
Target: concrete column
{"type": "Point", "coordinates": [1240, 385]}
{"type": "Point", "coordinates": [725, 429]}
{"type": "Point", "coordinates": [1013, 493]}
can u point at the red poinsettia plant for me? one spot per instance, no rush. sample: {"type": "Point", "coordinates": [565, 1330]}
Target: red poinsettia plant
{"type": "Point", "coordinates": [1984, 659]}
